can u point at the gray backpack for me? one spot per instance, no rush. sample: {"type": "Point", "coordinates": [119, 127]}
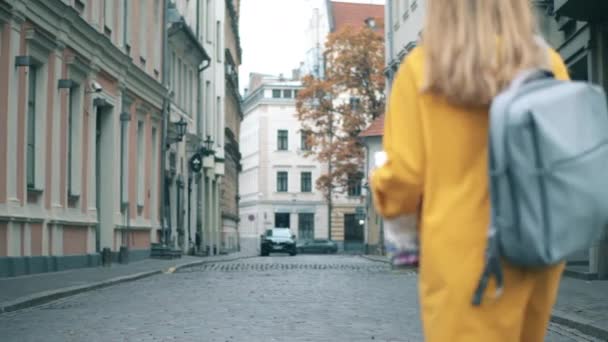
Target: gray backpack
{"type": "Point", "coordinates": [548, 156]}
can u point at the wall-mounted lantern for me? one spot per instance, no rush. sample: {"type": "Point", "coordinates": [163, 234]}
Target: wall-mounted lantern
{"type": "Point", "coordinates": [207, 148]}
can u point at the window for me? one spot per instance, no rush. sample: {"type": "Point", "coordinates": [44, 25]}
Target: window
{"type": "Point", "coordinates": [209, 8]}
{"type": "Point", "coordinates": [406, 9]}
{"type": "Point", "coordinates": [218, 41]}
{"type": "Point", "coordinates": [218, 130]}
{"type": "Point", "coordinates": [305, 143]}
{"type": "Point", "coordinates": [74, 115]}
{"type": "Point", "coordinates": [295, 94]}
{"type": "Point", "coordinates": [79, 6]}
{"type": "Point", "coordinates": [287, 93]}
{"type": "Point", "coordinates": [354, 184]}
{"type": "Point", "coordinates": [282, 140]}
{"type": "Point", "coordinates": [306, 182]}
{"type": "Point", "coordinates": [355, 102]}
{"type": "Point", "coordinates": [140, 163]}
{"type": "Point", "coordinates": [143, 32]}
{"type": "Point", "coordinates": [276, 93]}
{"type": "Point", "coordinates": [178, 87]}
{"type": "Point", "coordinates": [306, 226]}
{"type": "Point", "coordinates": [108, 17]}
{"type": "Point", "coordinates": [154, 168]}
{"type": "Point", "coordinates": [396, 13]}
{"type": "Point", "coordinates": [124, 156]}
{"type": "Point", "coordinates": [191, 93]}
{"type": "Point", "coordinates": [31, 128]}
{"type": "Point", "coordinates": [126, 22]}
{"type": "Point", "coordinates": [157, 33]}
{"type": "Point", "coordinates": [282, 181]}
{"type": "Point", "coordinates": [209, 108]}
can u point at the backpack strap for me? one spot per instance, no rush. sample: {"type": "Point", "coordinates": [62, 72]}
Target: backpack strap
{"type": "Point", "coordinates": [529, 76]}
{"type": "Point", "coordinates": [492, 268]}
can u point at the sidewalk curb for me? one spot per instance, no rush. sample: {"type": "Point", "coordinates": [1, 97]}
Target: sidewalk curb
{"type": "Point", "coordinates": [557, 316]}
{"type": "Point", "coordinates": [375, 258]}
{"type": "Point", "coordinates": [52, 295]}
{"type": "Point", "coordinates": [585, 328]}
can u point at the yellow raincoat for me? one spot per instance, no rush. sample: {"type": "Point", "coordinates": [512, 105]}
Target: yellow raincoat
{"type": "Point", "coordinates": [440, 150]}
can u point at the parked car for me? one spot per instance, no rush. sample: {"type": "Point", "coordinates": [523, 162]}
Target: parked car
{"type": "Point", "coordinates": [317, 246]}
{"type": "Point", "coordinates": [278, 240]}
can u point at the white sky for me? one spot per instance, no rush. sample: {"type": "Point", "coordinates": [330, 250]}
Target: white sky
{"type": "Point", "coordinates": [273, 35]}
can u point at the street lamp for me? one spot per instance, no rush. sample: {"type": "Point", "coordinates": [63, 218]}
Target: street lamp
{"type": "Point", "coordinates": [181, 126]}
{"type": "Point", "coordinates": [207, 148]}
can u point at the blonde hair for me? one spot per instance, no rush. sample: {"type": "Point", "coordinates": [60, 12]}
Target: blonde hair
{"type": "Point", "coordinates": [473, 48]}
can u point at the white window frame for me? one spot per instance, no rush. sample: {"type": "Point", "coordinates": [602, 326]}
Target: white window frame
{"type": "Point", "coordinates": [210, 17]}
{"type": "Point", "coordinates": [158, 33]}
{"type": "Point", "coordinates": [286, 182]}
{"type": "Point", "coordinates": [39, 50]}
{"type": "Point", "coordinates": [219, 41]}
{"type": "Point", "coordinates": [108, 16]}
{"type": "Point", "coordinates": [32, 129]}
{"type": "Point", "coordinates": [124, 152]}
{"type": "Point", "coordinates": [143, 32]}
{"type": "Point", "coordinates": [209, 107]}
{"type": "Point", "coordinates": [75, 129]}
{"type": "Point", "coordinates": [127, 23]}
{"type": "Point", "coordinates": [154, 168]}
{"type": "Point", "coordinates": [141, 159]}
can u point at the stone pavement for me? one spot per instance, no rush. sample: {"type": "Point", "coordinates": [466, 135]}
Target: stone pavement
{"type": "Point", "coordinates": [25, 291]}
{"type": "Point", "coordinates": [581, 304]}
{"type": "Point", "coordinates": [280, 298]}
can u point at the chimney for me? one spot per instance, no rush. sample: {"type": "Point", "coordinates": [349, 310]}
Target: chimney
{"type": "Point", "coordinates": [295, 74]}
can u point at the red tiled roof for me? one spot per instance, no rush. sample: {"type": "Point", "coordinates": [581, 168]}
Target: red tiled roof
{"type": "Point", "coordinates": [354, 14]}
{"type": "Point", "coordinates": [376, 129]}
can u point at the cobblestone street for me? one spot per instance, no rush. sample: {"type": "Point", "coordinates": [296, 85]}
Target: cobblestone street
{"type": "Point", "coordinates": [279, 298]}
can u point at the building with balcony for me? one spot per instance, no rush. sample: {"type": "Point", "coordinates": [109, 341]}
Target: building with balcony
{"type": "Point", "coordinates": [233, 112]}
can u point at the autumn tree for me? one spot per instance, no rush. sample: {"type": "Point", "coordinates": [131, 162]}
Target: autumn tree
{"type": "Point", "coordinates": [335, 109]}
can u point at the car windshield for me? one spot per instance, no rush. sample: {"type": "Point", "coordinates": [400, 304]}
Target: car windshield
{"type": "Point", "coordinates": [278, 233]}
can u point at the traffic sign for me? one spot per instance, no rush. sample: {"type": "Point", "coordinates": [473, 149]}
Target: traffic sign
{"type": "Point", "coordinates": [196, 163]}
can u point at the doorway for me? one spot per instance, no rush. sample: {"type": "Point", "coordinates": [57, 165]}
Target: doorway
{"type": "Point", "coordinates": [353, 234]}
{"type": "Point", "coordinates": [306, 226]}
{"type": "Point", "coordinates": [104, 177]}
{"type": "Point", "coordinates": [281, 220]}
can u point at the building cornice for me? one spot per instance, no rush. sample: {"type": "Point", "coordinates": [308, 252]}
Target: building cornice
{"type": "Point", "coordinates": [234, 25]}
{"type": "Point", "coordinates": [66, 26]}
{"type": "Point", "coordinates": [5, 11]}
{"type": "Point", "coordinates": [191, 38]}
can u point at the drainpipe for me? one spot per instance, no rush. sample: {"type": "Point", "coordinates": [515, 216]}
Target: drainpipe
{"type": "Point", "coordinates": [200, 197]}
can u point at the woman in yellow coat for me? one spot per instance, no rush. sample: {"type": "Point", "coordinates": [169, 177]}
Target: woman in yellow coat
{"type": "Point", "coordinates": [436, 134]}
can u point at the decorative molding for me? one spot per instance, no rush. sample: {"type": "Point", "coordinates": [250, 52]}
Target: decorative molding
{"type": "Point", "coordinates": [21, 219]}
{"type": "Point", "coordinates": [62, 20]}
{"type": "Point", "coordinates": [73, 223]}
{"type": "Point", "coordinates": [40, 40]}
